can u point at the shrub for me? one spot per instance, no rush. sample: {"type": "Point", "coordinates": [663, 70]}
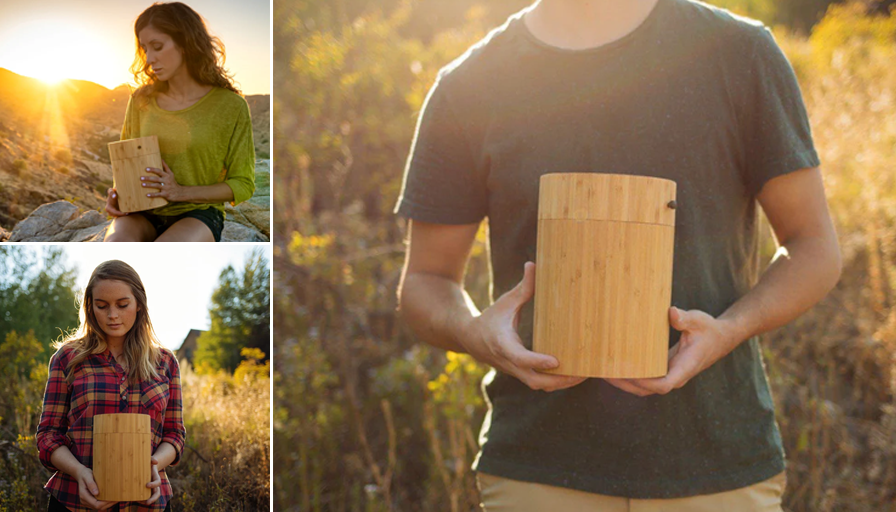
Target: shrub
{"type": "Point", "coordinates": [63, 155]}
{"type": "Point", "coordinates": [18, 166]}
{"type": "Point", "coordinates": [225, 464]}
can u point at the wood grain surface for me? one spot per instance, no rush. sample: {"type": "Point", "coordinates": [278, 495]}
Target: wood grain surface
{"type": "Point", "coordinates": [122, 448]}
{"type": "Point", "coordinates": [603, 282]}
{"type": "Point", "coordinates": [130, 158]}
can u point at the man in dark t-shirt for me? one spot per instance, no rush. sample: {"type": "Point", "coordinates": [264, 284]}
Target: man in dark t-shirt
{"type": "Point", "coordinates": [668, 88]}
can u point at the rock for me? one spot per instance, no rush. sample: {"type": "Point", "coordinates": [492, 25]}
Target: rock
{"type": "Point", "coordinates": [89, 227]}
{"type": "Point", "coordinates": [256, 212]}
{"type": "Point", "coordinates": [61, 221]}
{"type": "Point", "coordinates": [94, 234]}
{"type": "Point", "coordinates": [234, 232]}
{"type": "Point", "coordinates": [44, 222]}
{"type": "Point", "coordinates": [88, 220]}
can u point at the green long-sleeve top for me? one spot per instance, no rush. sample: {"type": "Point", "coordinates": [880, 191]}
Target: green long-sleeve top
{"type": "Point", "coordinates": [206, 143]}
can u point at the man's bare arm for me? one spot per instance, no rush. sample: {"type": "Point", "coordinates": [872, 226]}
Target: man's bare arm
{"type": "Point", "coordinates": [433, 275]}
{"type": "Point", "coordinates": [807, 264]}
{"type": "Point", "coordinates": [806, 267]}
{"type": "Point", "coordinates": [435, 305]}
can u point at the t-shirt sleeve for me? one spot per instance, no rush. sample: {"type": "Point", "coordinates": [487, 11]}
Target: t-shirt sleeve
{"type": "Point", "coordinates": [240, 159]}
{"type": "Point", "coordinates": [441, 182]}
{"type": "Point", "coordinates": [777, 138]}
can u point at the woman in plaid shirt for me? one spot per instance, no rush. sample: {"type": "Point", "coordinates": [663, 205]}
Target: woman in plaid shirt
{"type": "Point", "coordinates": [112, 364]}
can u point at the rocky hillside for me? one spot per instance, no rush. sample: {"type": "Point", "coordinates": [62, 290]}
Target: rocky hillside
{"type": "Point", "coordinates": [53, 142]}
{"type": "Point", "coordinates": [260, 108]}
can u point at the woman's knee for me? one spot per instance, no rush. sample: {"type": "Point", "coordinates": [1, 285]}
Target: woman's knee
{"type": "Point", "coordinates": [130, 229]}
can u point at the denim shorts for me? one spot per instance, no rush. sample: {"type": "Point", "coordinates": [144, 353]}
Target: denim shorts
{"type": "Point", "coordinates": [211, 217]}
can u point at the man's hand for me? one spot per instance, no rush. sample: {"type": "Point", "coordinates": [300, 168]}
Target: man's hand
{"type": "Point", "coordinates": [704, 340]}
{"type": "Point", "coordinates": [492, 339]}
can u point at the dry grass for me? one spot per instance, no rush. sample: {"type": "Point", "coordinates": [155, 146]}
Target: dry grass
{"type": "Point", "coordinates": [226, 464]}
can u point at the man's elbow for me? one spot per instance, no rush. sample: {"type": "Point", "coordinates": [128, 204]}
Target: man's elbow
{"type": "Point", "coordinates": [401, 293]}
{"type": "Point", "coordinates": [835, 263]}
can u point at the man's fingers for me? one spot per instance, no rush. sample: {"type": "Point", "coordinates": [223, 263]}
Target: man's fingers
{"type": "Point", "coordinates": [548, 382]}
{"type": "Point", "coordinates": [682, 367]}
{"type": "Point", "coordinates": [678, 319]}
{"type": "Point", "coordinates": [674, 350]}
{"type": "Point", "coordinates": [525, 289]}
{"type": "Point", "coordinates": [516, 354]}
{"type": "Point", "coordinates": [527, 285]}
{"type": "Point", "coordinates": [629, 387]}
{"type": "Point", "coordinates": [568, 381]}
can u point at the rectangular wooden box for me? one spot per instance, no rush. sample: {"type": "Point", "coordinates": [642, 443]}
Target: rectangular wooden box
{"type": "Point", "coordinates": [130, 158]}
{"type": "Point", "coordinates": [603, 281]}
{"type": "Point", "coordinates": [122, 448]}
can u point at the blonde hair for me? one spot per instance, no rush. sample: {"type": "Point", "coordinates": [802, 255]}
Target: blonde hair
{"type": "Point", "coordinates": [142, 349]}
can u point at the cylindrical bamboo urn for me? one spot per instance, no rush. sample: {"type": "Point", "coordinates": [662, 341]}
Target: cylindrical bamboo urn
{"type": "Point", "coordinates": [603, 281]}
{"type": "Point", "coordinates": [122, 447]}
{"type": "Point", "coordinates": [130, 158]}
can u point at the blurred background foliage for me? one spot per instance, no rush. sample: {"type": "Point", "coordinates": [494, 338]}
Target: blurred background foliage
{"type": "Point", "coordinates": [240, 316]}
{"type": "Point", "coordinates": [367, 419]}
{"type": "Point", "coordinates": [226, 462]}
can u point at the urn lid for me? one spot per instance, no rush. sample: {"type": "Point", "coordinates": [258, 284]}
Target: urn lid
{"type": "Point", "coordinates": [608, 197]}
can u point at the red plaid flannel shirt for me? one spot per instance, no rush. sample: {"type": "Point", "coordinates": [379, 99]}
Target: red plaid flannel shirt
{"type": "Point", "coordinates": [100, 387]}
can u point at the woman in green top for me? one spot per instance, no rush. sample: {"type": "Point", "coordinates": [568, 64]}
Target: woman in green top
{"type": "Point", "coordinates": [203, 125]}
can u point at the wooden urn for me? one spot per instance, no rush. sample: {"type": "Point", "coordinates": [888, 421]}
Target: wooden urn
{"type": "Point", "coordinates": [122, 448]}
{"type": "Point", "coordinates": [603, 281]}
{"type": "Point", "coordinates": [130, 158]}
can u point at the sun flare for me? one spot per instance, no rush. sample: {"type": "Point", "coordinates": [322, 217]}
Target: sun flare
{"type": "Point", "coordinates": [52, 51]}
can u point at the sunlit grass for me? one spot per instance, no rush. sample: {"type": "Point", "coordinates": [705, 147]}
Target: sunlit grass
{"type": "Point", "coordinates": [226, 463]}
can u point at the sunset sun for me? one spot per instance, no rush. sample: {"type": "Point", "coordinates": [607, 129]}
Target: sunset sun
{"type": "Point", "coordinates": [56, 50]}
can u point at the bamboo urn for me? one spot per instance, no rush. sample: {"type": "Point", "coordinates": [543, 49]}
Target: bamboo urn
{"type": "Point", "coordinates": [122, 448]}
{"type": "Point", "coordinates": [603, 284]}
{"type": "Point", "coordinates": [130, 158]}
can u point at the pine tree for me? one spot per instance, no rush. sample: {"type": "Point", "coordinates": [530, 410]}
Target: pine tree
{"type": "Point", "coordinates": [240, 315]}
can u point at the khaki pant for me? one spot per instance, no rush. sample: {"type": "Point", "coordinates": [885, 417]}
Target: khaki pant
{"type": "Point", "coordinates": [504, 495]}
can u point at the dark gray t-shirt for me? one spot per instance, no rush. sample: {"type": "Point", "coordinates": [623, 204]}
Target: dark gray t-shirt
{"type": "Point", "coordinates": [695, 95]}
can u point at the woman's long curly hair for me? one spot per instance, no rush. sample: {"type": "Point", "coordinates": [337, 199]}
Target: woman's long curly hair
{"type": "Point", "coordinates": [204, 54]}
{"type": "Point", "coordinates": [142, 350]}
